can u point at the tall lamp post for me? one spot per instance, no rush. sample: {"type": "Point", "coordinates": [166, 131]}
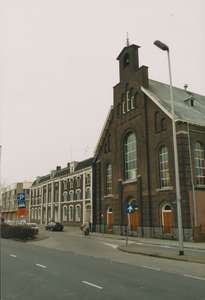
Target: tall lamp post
{"type": "Point", "coordinates": [179, 215]}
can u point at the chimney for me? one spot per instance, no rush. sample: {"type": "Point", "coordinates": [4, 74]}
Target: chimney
{"type": "Point", "coordinates": [68, 165]}
{"type": "Point", "coordinates": [58, 168]}
{"type": "Point", "coordinates": [185, 86]}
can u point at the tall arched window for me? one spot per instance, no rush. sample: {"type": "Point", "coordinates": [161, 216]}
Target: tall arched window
{"type": "Point", "coordinates": [109, 179]}
{"type": "Point", "coordinates": [164, 167]}
{"type": "Point", "coordinates": [199, 163]}
{"type": "Point", "coordinates": [71, 213]}
{"type": "Point", "coordinates": [130, 156]}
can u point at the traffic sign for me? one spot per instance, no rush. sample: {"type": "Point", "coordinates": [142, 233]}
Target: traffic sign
{"type": "Point", "coordinates": [130, 208]}
{"type": "Point", "coordinates": [21, 197]}
{"type": "Point", "coordinates": [22, 212]}
{"type": "Point", "coordinates": [22, 205]}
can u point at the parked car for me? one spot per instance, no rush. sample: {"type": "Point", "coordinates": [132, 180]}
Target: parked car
{"type": "Point", "coordinates": [54, 226]}
{"type": "Point", "coordinates": [33, 226]}
{"type": "Point", "coordinates": [7, 221]}
{"type": "Point", "coordinates": [11, 223]}
{"type": "Point", "coordinates": [22, 223]}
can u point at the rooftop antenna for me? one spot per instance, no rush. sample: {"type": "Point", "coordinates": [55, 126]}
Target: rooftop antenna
{"type": "Point", "coordinates": [127, 40]}
{"type": "Point", "coordinates": [86, 150]}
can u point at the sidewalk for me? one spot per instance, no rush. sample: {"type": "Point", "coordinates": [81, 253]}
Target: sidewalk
{"type": "Point", "coordinates": [162, 252]}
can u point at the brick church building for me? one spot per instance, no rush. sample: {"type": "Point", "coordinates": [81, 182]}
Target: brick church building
{"type": "Point", "coordinates": [134, 158]}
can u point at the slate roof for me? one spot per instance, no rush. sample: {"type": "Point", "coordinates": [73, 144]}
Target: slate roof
{"type": "Point", "coordinates": [160, 94]}
{"type": "Point", "coordinates": [58, 173]}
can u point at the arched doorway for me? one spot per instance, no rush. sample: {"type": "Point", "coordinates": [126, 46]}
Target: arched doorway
{"type": "Point", "coordinates": [167, 218]}
{"type": "Point", "coordinates": [134, 221]}
{"type": "Point", "coordinates": [109, 218]}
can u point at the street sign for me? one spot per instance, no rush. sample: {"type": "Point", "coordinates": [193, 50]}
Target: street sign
{"type": "Point", "coordinates": [22, 212]}
{"type": "Point", "coordinates": [21, 197]}
{"type": "Point", "coordinates": [22, 205]}
{"type": "Point", "coordinates": [130, 208]}
{"type": "Point", "coordinates": [21, 200]}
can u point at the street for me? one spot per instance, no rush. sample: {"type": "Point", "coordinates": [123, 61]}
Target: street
{"type": "Point", "coordinates": [68, 266]}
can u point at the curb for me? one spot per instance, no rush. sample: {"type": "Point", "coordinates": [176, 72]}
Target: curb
{"type": "Point", "coordinates": [159, 256]}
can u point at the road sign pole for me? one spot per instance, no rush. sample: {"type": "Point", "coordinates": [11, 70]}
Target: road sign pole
{"type": "Point", "coordinates": [128, 221]}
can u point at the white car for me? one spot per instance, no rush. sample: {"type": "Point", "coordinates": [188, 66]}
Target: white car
{"type": "Point", "coordinates": [32, 226]}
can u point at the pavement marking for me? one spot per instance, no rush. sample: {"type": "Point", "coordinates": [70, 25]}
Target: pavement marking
{"type": "Point", "coordinates": [13, 255]}
{"type": "Point", "coordinates": [111, 245]}
{"type": "Point", "coordinates": [41, 266]}
{"type": "Point", "coordinates": [138, 243]}
{"type": "Point", "coordinates": [194, 277]}
{"type": "Point", "coordinates": [166, 247]}
{"type": "Point", "coordinates": [150, 268]}
{"type": "Point", "coordinates": [97, 286]}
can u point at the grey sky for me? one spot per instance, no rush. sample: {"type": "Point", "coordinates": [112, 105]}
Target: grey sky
{"type": "Point", "coordinates": [58, 68]}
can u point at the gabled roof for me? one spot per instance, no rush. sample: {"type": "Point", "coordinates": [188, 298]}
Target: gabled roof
{"type": "Point", "coordinates": [62, 172]}
{"type": "Point", "coordinates": [104, 130]}
{"type": "Point", "coordinates": [160, 94]}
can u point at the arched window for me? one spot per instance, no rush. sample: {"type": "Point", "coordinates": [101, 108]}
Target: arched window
{"type": "Point", "coordinates": [88, 179]}
{"type": "Point", "coordinates": [71, 195]}
{"type": "Point", "coordinates": [123, 103]}
{"type": "Point", "coordinates": [70, 213]}
{"type": "Point", "coordinates": [164, 167]}
{"type": "Point", "coordinates": [109, 179]}
{"type": "Point", "coordinates": [65, 196]}
{"type": "Point", "coordinates": [199, 163]}
{"type": "Point", "coordinates": [126, 60]}
{"type": "Point", "coordinates": [130, 156]}
{"type": "Point", "coordinates": [77, 217]}
{"type": "Point", "coordinates": [64, 213]}
{"type": "Point", "coordinates": [78, 192]}
{"type": "Point", "coordinates": [163, 124]}
{"type": "Point", "coordinates": [88, 193]}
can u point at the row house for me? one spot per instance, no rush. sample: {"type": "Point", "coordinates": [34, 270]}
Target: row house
{"type": "Point", "coordinates": [9, 200]}
{"type": "Point", "coordinates": [64, 195]}
{"type": "Point", "coordinates": [134, 156]}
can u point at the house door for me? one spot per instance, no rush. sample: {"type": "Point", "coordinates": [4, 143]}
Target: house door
{"type": "Point", "coordinates": [110, 218]}
{"type": "Point", "coordinates": [134, 221]}
{"type": "Point", "coordinates": [167, 219]}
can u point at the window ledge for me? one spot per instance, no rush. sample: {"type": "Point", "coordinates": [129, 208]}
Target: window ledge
{"type": "Point", "coordinates": [199, 187]}
{"type": "Point", "coordinates": [108, 196]}
{"type": "Point", "coordinates": [168, 188]}
{"type": "Point", "coordinates": [129, 181]}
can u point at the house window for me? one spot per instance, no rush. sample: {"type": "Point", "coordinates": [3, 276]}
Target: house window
{"type": "Point", "coordinates": [164, 167]}
{"type": "Point", "coordinates": [71, 183]}
{"type": "Point", "coordinates": [35, 214]}
{"type": "Point", "coordinates": [88, 179]}
{"type": "Point", "coordinates": [130, 157]}
{"type": "Point", "coordinates": [65, 184]}
{"type": "Point", "coordinates": [49, 196]}
{"type": "Point", "coordinates": [78, 213]}
{"type": "Point", "coordinates": [56, 196]}
{"type": "Point", "coordinates": [128, 100]}
{"type": "Point", "coordinates": [123, 103]}
{"type": "Point", "coordinates": [39, 214]}
{"type": "Point", "coordinates": [78, 180]}
{"type": "Point", "coordinates": [39, 200]}
{"type": "Point", "coordinates": [109, 179]}
{"type": "Point", "coordinates": [132, 102]}
{"type": "Point", "coordinates": [199, 163]}
{"type": "Point", "coordinates": [64, 213]}
{"type": "Point", "coordinates": [70, 213]}
{"type": "Point", "coordinates": [71, 195]}
{"type": "Point", "coordinates": [65, 196]}
{"type": "Point", "coordinates": [109, 138]}
{"type": "Point", "coordinates": [32, 214]}
{"type": "Point", "coordinates": [78, 194]}
{"type": "Point", "coordinates": [88, 193]}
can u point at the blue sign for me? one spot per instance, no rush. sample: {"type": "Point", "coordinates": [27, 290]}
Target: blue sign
{"type": "Point", "coordinates": [21, 200]}
{"type": "Point", "coordinates": [22, 205]}
{"type": "Point", "coordinates": [130, 208]}
{"type": "Point", "coordinates": [21, 197]}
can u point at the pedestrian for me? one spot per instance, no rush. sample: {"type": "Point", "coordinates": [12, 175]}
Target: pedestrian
{"type": "Point", "coordinates": [81, 228]}
{"type": "Point", "coordinates": [86, 228]}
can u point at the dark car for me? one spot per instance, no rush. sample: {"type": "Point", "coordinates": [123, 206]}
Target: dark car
{"type": "Point", "coordinates": [54, 226]}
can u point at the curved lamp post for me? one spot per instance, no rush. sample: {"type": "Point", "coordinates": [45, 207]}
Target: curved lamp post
{"type": "Point", "coordinates": [179, 215]}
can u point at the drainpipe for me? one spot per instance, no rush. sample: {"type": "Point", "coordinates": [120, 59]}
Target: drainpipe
{"type": "Point", "coordinates": [192, 183]}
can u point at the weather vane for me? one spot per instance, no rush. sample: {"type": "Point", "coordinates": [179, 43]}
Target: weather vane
{"type": "Point", "coordinates": [127, 40]}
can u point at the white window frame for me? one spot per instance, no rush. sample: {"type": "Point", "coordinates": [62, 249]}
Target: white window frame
{"type": "Point", "coordinates": [71, 207]}
{"type": "Point", "coordinates": [77, 193]}
{"type": "Point", "coordinates": [164, 181]}
{"type": "Point", "coordinates": [78, 181]}
{"type": "Point", "coordinates": [65, 199]}
{"type": "Point", "coordinates": [71, 183]}
{"type": "Point", "coordinates": [128, 100]}
{"type": "Point", "coordinates": [71, 192]}
{"type": "Point", "coordinates": [88, 189]}
{"type": "Point", "coordinates": [132, 102]}
{"type": "Point", "coordinates": [65, 214]}
{"type": "Point", "coordinates": [78, 213]}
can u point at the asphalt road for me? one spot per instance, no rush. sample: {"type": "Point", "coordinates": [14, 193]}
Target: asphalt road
{"type": "Point", "coordinates": [66, 266]}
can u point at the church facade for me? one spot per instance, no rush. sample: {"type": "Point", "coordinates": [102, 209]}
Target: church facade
{"type": "Point", "coordinates": [134, 157]}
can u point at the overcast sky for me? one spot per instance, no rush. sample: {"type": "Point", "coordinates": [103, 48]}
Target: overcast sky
{"type": "Point", "coordinates": [58, 69]}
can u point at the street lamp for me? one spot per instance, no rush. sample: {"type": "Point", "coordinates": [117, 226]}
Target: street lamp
{"type": "Point", "coordinates": [179, 215]}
